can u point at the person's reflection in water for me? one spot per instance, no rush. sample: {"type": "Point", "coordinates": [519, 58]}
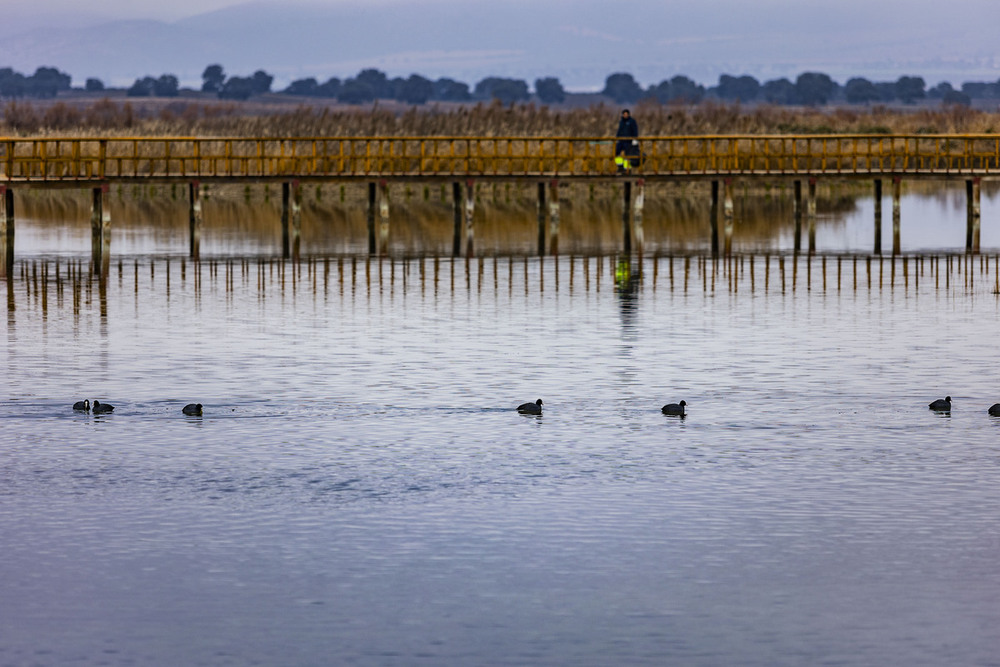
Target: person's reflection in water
{"type": "Point", "coordinates": [627, 279]}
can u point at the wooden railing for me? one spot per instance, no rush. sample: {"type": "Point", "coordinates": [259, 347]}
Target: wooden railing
{"type": "Point", "coordinates": [69, 159]}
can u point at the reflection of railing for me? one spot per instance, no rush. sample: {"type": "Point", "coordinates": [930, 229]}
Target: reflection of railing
{"type": "Point", "coordinates": [179, 158]}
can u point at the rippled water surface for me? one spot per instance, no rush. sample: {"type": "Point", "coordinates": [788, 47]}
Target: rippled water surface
{"type": "Point", "coordinates": [360, 490]}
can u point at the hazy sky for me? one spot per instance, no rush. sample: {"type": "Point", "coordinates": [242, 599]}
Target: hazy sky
{"type": "Point", "coordinates": [581, 41]}
{"type": "Point", "coordinates": [163, 10]}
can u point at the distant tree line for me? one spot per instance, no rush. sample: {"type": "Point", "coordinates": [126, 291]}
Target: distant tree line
{"type": "Point", "coordinates": [809, 88]}
{"type": "Point", "coordinates": [45, 82]}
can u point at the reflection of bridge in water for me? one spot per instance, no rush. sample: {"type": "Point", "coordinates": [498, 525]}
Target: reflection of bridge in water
{"type": "Point", "coordinates": [74, 283]}
{"type": "Point", "coordinates": [718, 160]}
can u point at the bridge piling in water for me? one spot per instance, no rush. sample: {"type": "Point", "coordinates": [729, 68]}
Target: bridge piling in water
{"type": "Point", "coordinates": [286, 248]}
{"type": "Point", "coordinates": [896, 213]}
{"type": "Point", "coordinates": [973, 214]}
{"type": "Point", "coordinates": [371, 219]}
{"type": "Point", "coordinates": [6, 230]}
{"type": "Point", "coordinates": [541, 219]}
{"type": "Point", "coordinates": [640, 197]}
{"type": "Point", "coordinates": [296, 219]}
{"type": "Point", "coordinates": [100, 226]}
{"type": "Point", "coordinates": [383, 209]}
{"type": "Point", "coordinates": [878, 216]}
{"type": "Point", "coordinates": [627, 217]}
{"type": "Point", "coordinates": [470, 210]}
{"type": "Point", "coordinates": [194, 219]}
{"type": "Point", "coordinates": [554, 216]}
{"type": "Point", "coordinates": [811, 215]}
{"type": "Point", "coordinates": [728, 214]}
{"type": "Point", "coordinates": [713, 218]}
{"type": "Point", "coordinates": [797, 215]}
{"type": "Point", "coordinates": [456, 201]}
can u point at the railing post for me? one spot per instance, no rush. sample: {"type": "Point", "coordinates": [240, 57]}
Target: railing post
{"type": "Point", "coordinates": [9, 170]}
{"type": "Point", "coordinates": [554, 216]}
{"type": "Point", "coordinates": [194, 219]}
{"type": "Point", "coordinates": [102, 154]}
{"type": "Point", "coordinates": [878, 216]}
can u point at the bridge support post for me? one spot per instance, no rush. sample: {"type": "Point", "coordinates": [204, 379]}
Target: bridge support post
{"type": "Point", "coordinates": [728, 214]}
{"type": "Point", "coordinates": [100, 228]}
{"type": "Point", "coordinates": [640, 197]}
{"type": "Point", "coordinates": [296, 220]}
{"type": "Point", "coordinates": [878, 216]}
{"type": "Point", "coordinates": [286, 249]}
{"type": "Point", "coordinates": [811, 215]}
{"type": "Point", "coordinates": [541, 219]}
{"type": "Point", "coordinates": [371, 219]}
{"type": "Point", "coordinates": [554, 216]}
{"type": "Point", "coordinates": [456, 196]}
{"type": "Point", "coordinates": [897, 189]}
{"type": "Point", "coordinates": [797, 215]}
{"type": "Point", "coordinates": [626, 218]}
{"type": "Point", "coordinates": [714, 218]}
{"type": "Point", "coordinates": [6, 230]}
{"type": "Point", "coordinates": [470, 210]}
{"type": "Point", "coordinates": [194, 220]}
{"type": "Point", "coordinates": [973, 216]}
{"type": "Point", "coordinates": [383, 211]}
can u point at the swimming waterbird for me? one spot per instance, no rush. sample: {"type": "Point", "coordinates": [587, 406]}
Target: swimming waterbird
{"type": "Point", "coordinates": [941, 405]}
{"type": "Point", "coordinates": [531, 408]}
{"type": "Point", "coordinates": [676, 409]}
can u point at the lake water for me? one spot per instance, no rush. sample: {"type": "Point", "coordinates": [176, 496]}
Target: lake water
{"type": "Point", "coordinates": [361, 491]}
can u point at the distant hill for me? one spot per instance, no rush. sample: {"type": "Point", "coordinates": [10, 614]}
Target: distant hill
{"type": "Point", "coordinates": [579, 41]}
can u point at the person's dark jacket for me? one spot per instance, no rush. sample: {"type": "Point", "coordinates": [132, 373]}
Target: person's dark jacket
{"type": "Point", "coordinates": [627, 127]}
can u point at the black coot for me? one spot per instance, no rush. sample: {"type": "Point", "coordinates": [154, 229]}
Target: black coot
{"type": "Point", "coordinates": [531, 408]}
{"type": "Point", "coordinates": [674, 409]}
{"type": "Point", "coordinates": [941, 405]}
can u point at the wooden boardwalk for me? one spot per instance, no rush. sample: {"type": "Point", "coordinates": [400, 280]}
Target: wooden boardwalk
{"type": "Point", "coordinates": [76, 161]}
{"type": "Point", "coordinates": [97, 162]}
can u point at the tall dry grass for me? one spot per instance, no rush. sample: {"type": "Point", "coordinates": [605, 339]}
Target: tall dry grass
{"type": "Point", "coordinates": [179, 118]}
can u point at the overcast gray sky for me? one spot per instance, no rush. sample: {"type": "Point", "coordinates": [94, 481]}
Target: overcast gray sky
{"type": "Point", "coordinates": [580, 41]}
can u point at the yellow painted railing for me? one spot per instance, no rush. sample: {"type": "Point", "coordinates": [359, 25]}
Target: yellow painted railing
{"type": "Point", "coordinates": [68, 159]}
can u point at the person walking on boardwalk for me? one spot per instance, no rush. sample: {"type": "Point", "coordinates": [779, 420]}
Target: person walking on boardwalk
{"type": "Point", "coordinates": [628, 142]}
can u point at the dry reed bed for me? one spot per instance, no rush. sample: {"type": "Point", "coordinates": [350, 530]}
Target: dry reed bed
{"type": "Point", "coordinates": [178, 118]}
